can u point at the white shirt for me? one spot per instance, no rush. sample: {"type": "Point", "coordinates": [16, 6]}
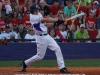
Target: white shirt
{"type": "Point", "coordinates": [7, 35]}
{"type": "Point", "coordinates": [28, 36]}
{"type": "Point", "coordinates": [39, 27]}
{"type": "Point", "coordinates": [63, 33]}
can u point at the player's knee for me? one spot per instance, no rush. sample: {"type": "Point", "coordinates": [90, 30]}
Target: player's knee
{"type": "Point", "coordinates": [39, 57]}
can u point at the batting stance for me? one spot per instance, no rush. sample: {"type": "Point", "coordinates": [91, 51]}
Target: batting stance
{"type": "Point", "coordinates": [43, 40]}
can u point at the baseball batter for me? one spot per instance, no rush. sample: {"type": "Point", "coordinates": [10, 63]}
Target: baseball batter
{"type": "Point", "coordinates": [43, 40]}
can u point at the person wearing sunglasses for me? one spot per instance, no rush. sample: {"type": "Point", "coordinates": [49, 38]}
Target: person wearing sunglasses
{"type": "Point", "coordinates": [30, 35]}
{"type": "Point", "coordinates": [26, 20]}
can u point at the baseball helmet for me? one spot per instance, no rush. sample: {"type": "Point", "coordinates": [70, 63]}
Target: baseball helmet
{"type": "Point", "coordinates": [34, 7]}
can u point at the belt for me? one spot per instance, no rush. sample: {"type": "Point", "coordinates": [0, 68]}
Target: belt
{"type": "Point", "coordinates": [42, 34]}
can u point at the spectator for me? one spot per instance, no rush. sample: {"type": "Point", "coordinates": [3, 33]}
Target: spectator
{"type": "Point", "coordinates": [53, 34]}
{"type": "Point", "coordinates": [14, 20]}
{"type": "Point", "coordinates": [91, 20]}
{"type": "Point", "coordinates": [50, 2]}
{"type": "Point", "coordinates": [81, 19]}
{"type": "Point", "coordinates": [5, 4]}
{"type": "Point", "coordinates": [27, 4]}
{"type": "Point", "coordinates": [26, 20]}
{"type": "Point", "coordinates": [2, 23]}
{"type": "Point", "coordinates": [82, 8]}
{"type": "Point", "coordinates": [86, 2]}
{"type": "Point", "coordinates": [81, 33]}
{"type": "Point", "coordinates": [69, 9]}
{"type": "Point", "coordinates": [66, 2]}
{"type": "Point", "coordinates": [55, 8]}
{"type": "Point", "coordinates": [30, 35]}
{"type": "Point", "coordinates": [20, 5]}
{"type": "Point", "coordinates": [43, 6]}
{"type": "Point", "coordinates": [8, 34]}
{"type": "Point", "coordinates": [70, 34]}
{"type": "Point", "coordinates": [20, 31]}
{"type": "Point", "coordinates": [60, 15]}
{"type": "Point", "coordinates": [96, 8]}
{"type": "Point", "coordinates": [61, 33]}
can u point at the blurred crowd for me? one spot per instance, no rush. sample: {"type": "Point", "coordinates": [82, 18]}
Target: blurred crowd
{"type": "Point", "coordinates": [15, 19]}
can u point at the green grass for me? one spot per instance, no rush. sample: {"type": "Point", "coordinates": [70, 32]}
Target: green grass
{"type": "Point", "coordinates": [53, 63]}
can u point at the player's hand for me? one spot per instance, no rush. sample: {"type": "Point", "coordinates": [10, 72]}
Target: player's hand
{"type": "Point", "coordinates": [59, 22]}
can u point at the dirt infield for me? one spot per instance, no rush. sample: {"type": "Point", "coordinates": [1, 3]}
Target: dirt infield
{"type": "Point", "coordinates": [49, 71]}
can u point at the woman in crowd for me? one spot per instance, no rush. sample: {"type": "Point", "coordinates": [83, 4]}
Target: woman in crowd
{"type": "Point", "coordinates": [14, 20]}
{"type": "Point", "coordinates": [30, 35]}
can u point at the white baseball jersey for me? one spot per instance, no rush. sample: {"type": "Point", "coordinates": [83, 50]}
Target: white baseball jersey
{"type": "Point", "coordinates": [39, 27]}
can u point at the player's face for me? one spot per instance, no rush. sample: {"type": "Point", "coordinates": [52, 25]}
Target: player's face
{"type": "Point", "coordinates": [36, 12]}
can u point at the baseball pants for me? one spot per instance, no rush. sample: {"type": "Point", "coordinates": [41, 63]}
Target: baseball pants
{"type": "Point", "coordinates": [44, 42]}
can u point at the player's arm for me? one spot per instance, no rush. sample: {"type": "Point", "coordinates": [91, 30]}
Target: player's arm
{"type": "Point", "coordinates": [49, 19]}
{"type": "Point", "coordinates": [49, 24]}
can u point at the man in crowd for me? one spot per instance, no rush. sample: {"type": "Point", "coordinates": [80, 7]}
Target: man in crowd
{"type": "Point", "coordinates": [81, 33]}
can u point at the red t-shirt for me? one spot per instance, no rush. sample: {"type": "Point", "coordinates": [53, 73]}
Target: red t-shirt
{"type": "Point", "coordinates": [2, 23]}
{"type": "Point", "coordinates": [14, 22]}
{"type": "Point", "coordinates": [54, 10]}
{"type": "Point", "coordinates": [91, 22]}
{"type": "Point", "coordinates": [82, 8]}
{"type": "Point", "coordinates": [21, 2]}
{"type": "Point", "coordinates": [76, 23]}
{"type": "Point", "coordinates": [26, 21]}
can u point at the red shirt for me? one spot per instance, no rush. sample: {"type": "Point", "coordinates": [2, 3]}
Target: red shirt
{"type": "Point", "coordinates": [14, 21]}
{"type": "Point", "coordinates": [91, 22]}
{"type": "Point", "coordinates": [54, 10]}
{"type": "Point", "coordinates": [21, 2]}
{"type": "Point", "coordinates": [76, 23]}
{"type": "Point", "coordinates": [2, 23]}
{"type": "Point", "coordinates": [82, 8]}
{"type": "Point", "coordinates": [26, 21]}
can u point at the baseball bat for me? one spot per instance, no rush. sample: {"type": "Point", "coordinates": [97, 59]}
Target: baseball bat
{"type": "Point", "coordinates": [78, 15]}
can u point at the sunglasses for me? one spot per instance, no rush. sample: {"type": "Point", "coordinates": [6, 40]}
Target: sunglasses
{"type": "Point", "coordinates": [60, 13]}
{"type": "Point", "coordinates": [28, 13]}
{"type": "Point", "coordinates": [30, 30]}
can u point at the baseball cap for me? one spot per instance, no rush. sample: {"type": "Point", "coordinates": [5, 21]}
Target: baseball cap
{"type": "Point", "coordinates": [82, 26]}
{"type": "Point", "coordinates": [92, 11]}
{"type": "Point", "coordinates": [96, 2]}
{"type": "Point", "coordinates": [7, 26]}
